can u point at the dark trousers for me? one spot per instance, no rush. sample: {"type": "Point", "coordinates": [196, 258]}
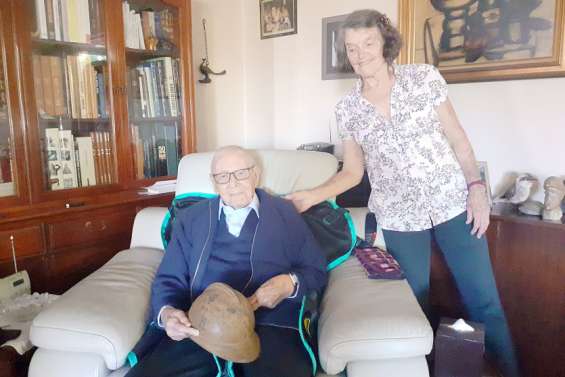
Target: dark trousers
{"type": "Point", "coordinates": [468, 259]}
{"type": "Point", "coordinates": [282, 355]}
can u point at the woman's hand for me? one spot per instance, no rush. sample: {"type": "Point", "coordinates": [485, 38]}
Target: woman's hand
{"type": "Point", "coordinates": [272, 292]}
{"type": "Point", "coordinates": [478, 210]}
{"type": "Point", "coordinates": [302, 200]}
{"type": "Point", "coordinates": [176, 323]}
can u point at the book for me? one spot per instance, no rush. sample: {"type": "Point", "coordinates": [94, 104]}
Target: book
{"type": "Point", "coordinates": [54, 164]}
{"type": "Point", "coordinates": [97, 158]}
{"type": "Point", "coordinates": [172, 149]}
{"type": "Point", "coordinates": [68, 161]}
{"type": "Point", "coordinates": [41, 18]}
{"type": "Point", "coordinates": [47, 85]}
{"type": "Point", "coordinates": [109, 156]}
{"type": "Point", "coordinates": [57, 83]}
{"type": "Point", "coordinates": [36, 63]}
{"type": "Point", "coordinates": [86, 161]}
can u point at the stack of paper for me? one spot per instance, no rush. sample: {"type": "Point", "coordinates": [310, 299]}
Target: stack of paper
{"type": "Point", "coordinates": [160, 187]}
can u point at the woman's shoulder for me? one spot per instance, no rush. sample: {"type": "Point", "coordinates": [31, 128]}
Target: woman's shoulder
{"type": "Point", "coordinates": [417, 71]}
{"type": "Point", "coordinates": [350, 100]}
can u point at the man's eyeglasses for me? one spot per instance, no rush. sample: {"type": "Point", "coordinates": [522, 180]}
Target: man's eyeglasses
{"type": "Point", "coordinates": [240, 175]}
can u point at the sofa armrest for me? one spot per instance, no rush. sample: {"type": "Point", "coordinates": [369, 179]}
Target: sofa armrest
{"type": "Point", "coordinates": [147, 228]}
{"type": "Point", "coordinates": [105, 313]}
{"type": "Point", "coordinates": [358, 215]}
{"type": "Point", "coordinates": [369, 319]}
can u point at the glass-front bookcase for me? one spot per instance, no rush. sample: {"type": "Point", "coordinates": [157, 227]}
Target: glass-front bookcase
{"type": "Point", "coordinates": [70, 76]}
{"type": "Point", "coordinates": [7, 163]}
{"type": "Point", "coordinates": [154, 101]}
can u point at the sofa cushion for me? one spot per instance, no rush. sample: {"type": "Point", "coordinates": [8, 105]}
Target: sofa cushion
{"type": "Point", "coordinates": [105, 313]}
{"type": "Point", "coordinates": [355, 326]}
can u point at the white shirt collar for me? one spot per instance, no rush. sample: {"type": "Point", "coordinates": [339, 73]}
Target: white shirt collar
{"type": "Point", "coordinates": [253, 205]}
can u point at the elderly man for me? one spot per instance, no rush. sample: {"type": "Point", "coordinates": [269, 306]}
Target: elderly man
{"type": "Point", "coordinates": [254, 242]}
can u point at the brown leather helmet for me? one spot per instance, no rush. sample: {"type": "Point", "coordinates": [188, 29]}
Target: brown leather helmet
{"type": "Point", "coordinates": [226, 324]}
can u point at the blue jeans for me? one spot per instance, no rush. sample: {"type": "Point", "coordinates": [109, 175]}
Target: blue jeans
{"type": "Point", "coordinates": [468, 259]}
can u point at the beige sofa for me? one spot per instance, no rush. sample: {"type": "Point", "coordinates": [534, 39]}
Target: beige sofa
{"type": "Point", "coordinates": [367, 328]}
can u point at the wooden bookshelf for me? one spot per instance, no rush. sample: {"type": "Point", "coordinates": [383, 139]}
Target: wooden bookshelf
{"type": "Point", "coordinates": [50, 46]}
{"type": "Point", "coordinates": [63, 93]}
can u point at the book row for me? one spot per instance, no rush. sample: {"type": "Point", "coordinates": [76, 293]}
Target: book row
{"type": "Point", "coordinates": [78, 161]}
{"type": "Point", "coordinates": [148, 29]}
{"type": "Point", "coordinates": [154, 88]}
{"type": "Point", "coordinates": [156, 150]}
{"type": "Point", "coordinates": [73, 86]}
{"type": "Point", "coordinates": [69, 20]}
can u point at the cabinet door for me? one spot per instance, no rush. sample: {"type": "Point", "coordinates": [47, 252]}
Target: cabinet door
{"type": "Point", "coordinates": [66, 75]}
{"type": "Point", "coordinates": [13, 182]}
{"type": "Point", "coordinates": [155, 59]}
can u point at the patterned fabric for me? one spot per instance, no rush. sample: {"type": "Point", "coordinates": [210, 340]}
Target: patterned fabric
{"type": "Point", "coordinates": [415, 178]}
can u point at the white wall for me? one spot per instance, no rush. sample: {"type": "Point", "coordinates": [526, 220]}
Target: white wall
{"type": "Point", "coordinates": [219, 105]}
{"type": "Point", "coordinates": [273, 95]}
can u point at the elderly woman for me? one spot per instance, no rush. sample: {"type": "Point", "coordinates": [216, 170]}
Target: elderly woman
{"type": "Point", "coordinates": [399, 123]}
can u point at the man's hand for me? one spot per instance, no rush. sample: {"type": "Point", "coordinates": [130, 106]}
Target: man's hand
{"type": "Point", "coordinates": [272, 292]}
{"type": "Point", "coordinates": [478, 210]}
{"type": "Point", "coordinates": [176, 324]}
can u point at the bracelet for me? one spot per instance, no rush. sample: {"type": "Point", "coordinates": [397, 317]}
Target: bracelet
{"type": "Point", "coordinates": [477, 182]}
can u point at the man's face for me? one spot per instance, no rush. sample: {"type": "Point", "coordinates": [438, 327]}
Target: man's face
{"type": "Point", "coordinates": [235, 179]}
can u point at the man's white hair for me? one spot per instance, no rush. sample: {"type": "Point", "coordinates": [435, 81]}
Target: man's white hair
{"type": "Point", "coordinates": [228, 150]}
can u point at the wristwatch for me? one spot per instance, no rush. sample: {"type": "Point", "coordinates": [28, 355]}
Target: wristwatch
{"type": "Point", "coordinates": [294, 279]}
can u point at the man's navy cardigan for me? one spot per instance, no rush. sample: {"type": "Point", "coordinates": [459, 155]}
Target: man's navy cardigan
{"type": "Point", "coordinates": [283, 244]}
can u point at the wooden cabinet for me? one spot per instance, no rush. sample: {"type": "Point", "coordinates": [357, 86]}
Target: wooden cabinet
{"type": "Point", "coordinates": [59, 248]}
{"type": "Point", "coordinates": [96, 101]}
{"type": "Point", "coordinates": [528, 257]}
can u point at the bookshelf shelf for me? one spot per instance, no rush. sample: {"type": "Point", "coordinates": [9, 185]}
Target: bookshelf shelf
{"type": "Point", "coordinates": [75, 120]}
{"type": "Point", "coordinates": [136, 55]}
{"type": "Point", "coordinates": [54, 47]}
{"type": "Point", "coordinates": [150, 121]}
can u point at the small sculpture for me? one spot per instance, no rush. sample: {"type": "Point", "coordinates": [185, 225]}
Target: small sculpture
{"type": "Point", "coordinates": [204, 67]}
{"type": "Point", "coordinates": [531, 207]}
{"type": "Point", "coordinates": [524, 186]}
{"type": "Point", "coordinates": [554, 194]}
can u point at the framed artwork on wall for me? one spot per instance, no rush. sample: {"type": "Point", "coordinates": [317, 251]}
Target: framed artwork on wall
{"type": "Point", "coordinates": [485, 40]}
{"type": "Point", "coordinates": [333, 59]}
{"type": "Point", "coordinates": [277, 18]}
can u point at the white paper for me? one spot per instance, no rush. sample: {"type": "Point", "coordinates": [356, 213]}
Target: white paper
{"type": "Point", "coordinates": [461, 326]}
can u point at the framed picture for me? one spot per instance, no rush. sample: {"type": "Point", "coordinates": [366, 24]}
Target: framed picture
{"type": "Point", "coordinates": [483, 172]}
{"type": "Point", "coordinates": [278, 18]}
{"type": "Point", "coordinates": [485, 40]}
{"type": "Point", "coordinates": [332, 60]}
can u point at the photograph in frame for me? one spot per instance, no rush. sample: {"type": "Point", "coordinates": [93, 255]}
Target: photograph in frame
{"type": "Point", "coordinates": [485, 40]}
{"type": "Point", "coordinates": [333, 58]}
{"type": "Point", "coordinates": [277, 18]}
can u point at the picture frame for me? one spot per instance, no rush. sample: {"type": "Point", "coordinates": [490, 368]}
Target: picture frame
{"type": "Point", "coordinates": [332, 59]}
{"type": "Point", "coordinates": [482, 41]}
{"type": "Point", "coordinates": [483, 172]}
{"type": "Point", "coordinates": [277, 18]}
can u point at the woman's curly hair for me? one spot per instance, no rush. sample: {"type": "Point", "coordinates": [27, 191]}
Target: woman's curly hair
{"type": "Point", "coordinates": [367, 18]}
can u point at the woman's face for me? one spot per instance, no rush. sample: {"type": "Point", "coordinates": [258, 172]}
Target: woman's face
{"type": "Point", "coordinates": [364, 48]}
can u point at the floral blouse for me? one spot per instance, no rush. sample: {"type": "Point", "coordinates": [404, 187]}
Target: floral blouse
{"type": "Point", "coordinates": [415, 177]}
